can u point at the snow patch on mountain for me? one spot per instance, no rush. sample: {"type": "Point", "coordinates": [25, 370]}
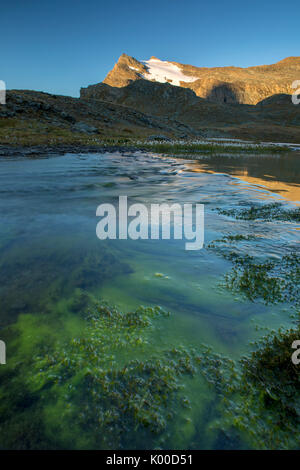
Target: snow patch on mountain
{"type": "Point", "coordinates": [162, 71]}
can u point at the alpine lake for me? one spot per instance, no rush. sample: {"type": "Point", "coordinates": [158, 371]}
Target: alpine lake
{"type": "Point", "coordinates": [142, 344]}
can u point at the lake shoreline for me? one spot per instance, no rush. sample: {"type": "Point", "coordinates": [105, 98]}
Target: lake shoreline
{"type": "Point", "coordinates": [37, 150]}
{"type": "Point", "coordinates": [172, 148]}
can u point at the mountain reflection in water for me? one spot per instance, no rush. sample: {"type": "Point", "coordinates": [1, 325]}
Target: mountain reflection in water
{"type": "Point", "coordinates": [276, 173]}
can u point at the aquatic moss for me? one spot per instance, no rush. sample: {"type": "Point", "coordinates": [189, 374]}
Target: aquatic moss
{"type": "Point", "coordinates": [273, 211]}
{"type": "Point", "coordinates": [270, 281]}
{"type": "Point", "coordinates": [259, 395]}
{"type": "Point", "coordinates": [105, 388]}
{"type": "Point", "coordinates": [231, 239]}
{"type": "Point", "coordinates": [268, 410]}
{"type": "Point", "coordinates": [97, 388]}
{"type": "Point", "coordinates": [270, 367]}
{"type": "Point", "coordinates": [260, 398]}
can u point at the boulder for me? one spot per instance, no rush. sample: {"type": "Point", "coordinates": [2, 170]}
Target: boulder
{"type": "Point", "coordinates": [85, 128]}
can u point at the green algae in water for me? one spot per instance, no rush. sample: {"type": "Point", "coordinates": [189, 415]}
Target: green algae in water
{"type": "Point", "coordinates": [99, 384]}
{"type": "Point", "coordinates": [22, 426]}
{"type": "Point", "coordinates": [273, 211]}
{"type": "Point", "coordinates": [92, 391]}
{"type": "Point", "coordinates": [260, 280]}
{"type": "Point", "coordinates": [271, 281]}
{"type": "Point", "coordinates": [260, 394]}
{"type": "Point", "coordinates": [39, 412]}
{"type": "Point", "coordinates": [264, 404]}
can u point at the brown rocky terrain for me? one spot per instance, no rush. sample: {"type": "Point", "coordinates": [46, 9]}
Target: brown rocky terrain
{"type": "Point", "coordinates": [271, 118]}
{"type": "Point", "coordinates": [36, 117]}
{"type": "Point", "coordinates": [222, 84]}
{"type": "Point", "coordinates": [135, 107]}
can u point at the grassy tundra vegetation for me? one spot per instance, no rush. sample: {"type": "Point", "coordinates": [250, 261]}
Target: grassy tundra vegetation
{"type": "Point", "coordinates": [214, 148]}
{"type": "Point", "coordinates": [32, 133]}
{"type": "Point", "coordinates": [61, 137]}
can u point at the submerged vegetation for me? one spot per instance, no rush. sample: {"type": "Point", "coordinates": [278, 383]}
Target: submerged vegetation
{"type": "Point", "coordinates": [107, 387]}
{"type": "Point", "coordinates": [261, 398]}
{"type": "Point", "coordinates": [99, 378]}
{"type": "Point", "coordinates": [103, 389]}
{"type": "Point", "coordinates": [273, 211]}
{"type": "Point", "coordinates": [273, 404]}
{"type": "Point", "coordinates": [271, 281]}
{"type": "Point", "coordinates": [82, 374]}
{"type": "Point", "coordinates": [117, 402]}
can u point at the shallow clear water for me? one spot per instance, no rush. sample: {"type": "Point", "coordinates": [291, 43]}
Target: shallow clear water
{"type": "Point", "coordinates": [49, 248]}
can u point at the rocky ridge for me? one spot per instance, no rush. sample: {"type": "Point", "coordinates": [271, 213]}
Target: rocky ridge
{"type": "Point", "coordinates": [220, 84]}
{"type": "Point", "coordinates": [137, 107]}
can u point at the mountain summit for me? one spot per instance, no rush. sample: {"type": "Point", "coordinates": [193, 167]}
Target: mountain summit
{"type": "Point", "coordinates": [127, 69]}
{"type": "Point", "coordinates": [253, 102]}
{"type": "Point", "coordinates": [220, 84]}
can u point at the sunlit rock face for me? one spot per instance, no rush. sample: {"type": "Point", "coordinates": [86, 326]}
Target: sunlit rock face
{"type": "Point", "coordinates": [219, 84]}
{"type": "Point", "coordinates": [240, 102]}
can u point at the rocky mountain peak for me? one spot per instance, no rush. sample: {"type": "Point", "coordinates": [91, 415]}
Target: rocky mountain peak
{"type": "Point", "coordinates": [126, 70]}
{"type": "Point", "coordinates": [220, 84]}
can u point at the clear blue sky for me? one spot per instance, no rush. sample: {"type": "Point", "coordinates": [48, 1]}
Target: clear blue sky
{"type": "Point", "coordinates": [60, 45]}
